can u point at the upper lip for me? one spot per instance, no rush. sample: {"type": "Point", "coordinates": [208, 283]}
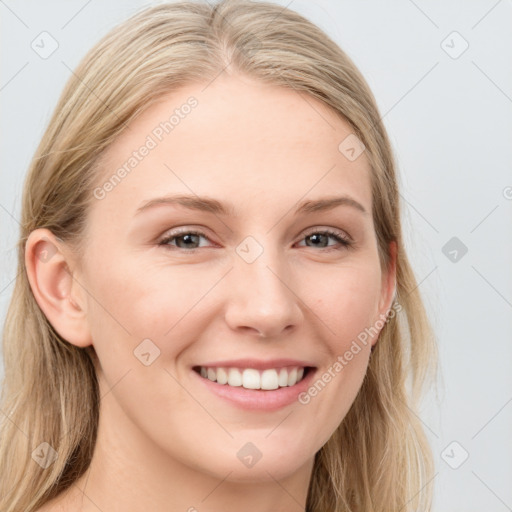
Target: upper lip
{"type": "Point", "coordinates": [257, 364]}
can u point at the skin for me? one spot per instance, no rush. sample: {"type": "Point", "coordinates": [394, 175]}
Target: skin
{"type": "Point", "coordinates": [164, 441]}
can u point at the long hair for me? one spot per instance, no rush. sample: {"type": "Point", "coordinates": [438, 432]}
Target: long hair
{"type": "Point", "coordinates": [378, 459]}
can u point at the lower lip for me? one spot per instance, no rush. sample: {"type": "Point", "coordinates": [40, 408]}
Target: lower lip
{"type": "Point", "coordinates": [258, 399]}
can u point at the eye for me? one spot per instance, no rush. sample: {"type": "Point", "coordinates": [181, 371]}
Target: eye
{"type": "Point", "coordinates": [189, 240]}
{"type": "Point", "coordinates": [323, 236]}
{"type": "Point", "coordinates": [186, 239]}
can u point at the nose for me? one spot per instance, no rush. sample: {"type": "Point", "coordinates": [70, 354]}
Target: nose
{"type": "Point", "coordinates": [263, 298]}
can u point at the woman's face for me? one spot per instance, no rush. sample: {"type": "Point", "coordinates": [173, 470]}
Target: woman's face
{"type": "Point", "coordinates": [238, 273]}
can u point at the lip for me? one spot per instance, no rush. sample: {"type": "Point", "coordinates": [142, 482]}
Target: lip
{"type": "Point", "coordinates": [257, 399]}
{"type": "Point", "coordinates": [257, 364]}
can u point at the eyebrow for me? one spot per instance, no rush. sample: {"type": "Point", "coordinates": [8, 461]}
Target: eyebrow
{"type": "Point", "coordinates": [210, 205]}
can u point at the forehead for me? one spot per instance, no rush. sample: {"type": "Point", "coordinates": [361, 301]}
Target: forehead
{"type": "Point", "coordinates": [251, 144]}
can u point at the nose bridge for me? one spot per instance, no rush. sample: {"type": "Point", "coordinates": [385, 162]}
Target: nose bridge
{"type": "Point", "coordinates": [262, 299]}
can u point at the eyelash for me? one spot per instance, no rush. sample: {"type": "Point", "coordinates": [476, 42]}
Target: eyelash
{"type": "Point", "coordinates": [340, 238]}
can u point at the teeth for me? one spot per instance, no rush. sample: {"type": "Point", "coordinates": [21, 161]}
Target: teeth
{"type": "Point", "coordinates": [250, 378]}
{"type": "Point", "coordinates": [269, 379]}
{"type": "Point", "coordinates": [234, 377]}
{"type": "Point", "coordinates": [292, 377]}
{"type": "Point", "coordinates": [283, 377]}
{"type": "Point", "coordinates": [222, 376]}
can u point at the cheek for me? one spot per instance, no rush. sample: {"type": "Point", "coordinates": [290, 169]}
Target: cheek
{"type": "Point", "coordinates": [138, 301]}
{"type": "Point", "coordinates": [348, 304]}
{"type": "Point", "coordinates": [348, 308]}
{"type": "Point", "coordinates": [148, 314]}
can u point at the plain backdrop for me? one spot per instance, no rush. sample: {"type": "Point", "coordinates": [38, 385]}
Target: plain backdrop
{"type": "Point", "coordinates": [441, 73]}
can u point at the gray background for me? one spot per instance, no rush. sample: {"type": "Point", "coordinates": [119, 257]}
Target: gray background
{"type": "Point", "coordinates": [449, 118]}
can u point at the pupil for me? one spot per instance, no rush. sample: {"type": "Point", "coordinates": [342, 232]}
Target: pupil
{"type": "Point", "coordinates": [187, 238]}
{"type": "Point", "coordinates": [316, 236]}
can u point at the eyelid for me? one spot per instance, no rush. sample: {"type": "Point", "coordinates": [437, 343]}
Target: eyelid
{"type": "Point", "coordinates": [333, 231]}
{"type": "Point", "coordinates": [172, 234]}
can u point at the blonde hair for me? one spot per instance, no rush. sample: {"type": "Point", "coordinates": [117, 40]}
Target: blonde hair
{"type": "Point", "coordinates": [378, 459]}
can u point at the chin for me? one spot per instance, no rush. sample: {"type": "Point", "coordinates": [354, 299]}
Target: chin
{"type": "Point", "coordinates": [270, 465]}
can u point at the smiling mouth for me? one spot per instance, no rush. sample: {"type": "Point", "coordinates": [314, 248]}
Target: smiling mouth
{"type": "Point", "coordinates": [251, 378]}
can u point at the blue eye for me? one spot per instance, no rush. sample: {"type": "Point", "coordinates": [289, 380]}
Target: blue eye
{"type": "Point", "coordinates": [188, 240]}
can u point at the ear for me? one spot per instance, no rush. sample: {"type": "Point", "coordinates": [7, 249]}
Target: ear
{"type": "Point", "coordinates": [388, 286]}
{"type": "Point", "coordinates": [48, 264]}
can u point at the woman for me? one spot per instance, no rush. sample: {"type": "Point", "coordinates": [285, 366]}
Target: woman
{"type": "Point", "coordinates": [214, 309]}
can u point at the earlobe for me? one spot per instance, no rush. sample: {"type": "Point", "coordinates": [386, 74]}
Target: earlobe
{"type": "Point", "coordinates": [52, 286]}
